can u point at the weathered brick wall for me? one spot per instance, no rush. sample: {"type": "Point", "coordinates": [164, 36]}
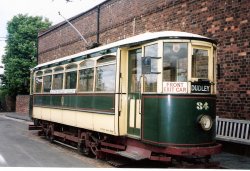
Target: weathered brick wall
{"type": "Point", "coordinates": [22, 104]}
{"type": "Point", "coordinates": [226, 21]}
{"type": "Point", "coordinates": [8, 104]}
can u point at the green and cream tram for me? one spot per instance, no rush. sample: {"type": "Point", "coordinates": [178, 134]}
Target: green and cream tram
{"type": "Point", "coordinates": [148, 96]}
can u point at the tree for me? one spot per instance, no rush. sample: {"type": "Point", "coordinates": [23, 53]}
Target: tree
{"type": "Point", "coordinates": [21, 52]}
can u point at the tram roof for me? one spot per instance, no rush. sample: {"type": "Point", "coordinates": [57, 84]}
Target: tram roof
{"type": "Point", "coordinates": [148, 36]}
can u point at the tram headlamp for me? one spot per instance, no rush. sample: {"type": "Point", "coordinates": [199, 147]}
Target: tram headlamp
{"type": "Point", "coordinates": [206, 122]}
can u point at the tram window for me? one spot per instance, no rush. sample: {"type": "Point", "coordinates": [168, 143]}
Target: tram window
{"type": "Point", "coordinates": [49, 71]}
{"type": "Point", "coordinates": [150, 80]}
{"type": "Point", "coordinates": [71, 80]}
{"type": "Point", "coordinates": [175, 61]}
{"type": "Point", "coordinates": [47, 83]}
{"type": "Point", "coordinates": [106, 59]}
{"type": "Point", "coordinates": [59, 69]}
{"type": "Point", "coordinates": [58, 78]}
{"type": "Point", "coordinates": [87, 64]}
{"type": "Point", "coordinates": [200, 63]}
{"type": "Point", "coordinates": [39, 73]}
{"type": "Point", "coordinates": [38, 84]}
{"type": "Point", "coordinates": [105, 74]}
{"type": "Point", "coordinates": [135, 70]}
{"type": "Point", "coordinates": [58, 81]}
{"type": "Point", "coordinates": [71, 67]}
{"type": "Point", "coordinates": [71, 76]}
{"type": "Point", "coordinates": [86, 76]}
{"type": "Point", "coordinates": [86, 79]}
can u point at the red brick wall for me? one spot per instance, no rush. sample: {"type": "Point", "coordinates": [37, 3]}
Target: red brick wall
{"type": "Point", "coordinates": [22, 104]}
{"type": "Point", "coordinates": [226, 21]}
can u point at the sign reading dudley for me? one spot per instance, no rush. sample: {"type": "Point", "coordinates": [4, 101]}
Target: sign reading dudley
{"type": "Point", "coordinates": [200, 88]}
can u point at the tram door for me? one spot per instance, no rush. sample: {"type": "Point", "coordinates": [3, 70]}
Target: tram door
{"type": "Point", "coordinates": [134, 92]}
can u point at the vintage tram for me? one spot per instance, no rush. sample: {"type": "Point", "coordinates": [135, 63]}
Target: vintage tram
{"type": "Point", "coordinates": [148, 96]}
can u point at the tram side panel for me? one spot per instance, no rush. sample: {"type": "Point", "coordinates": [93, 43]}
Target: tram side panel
{"type": "Point", "coordinates": [93, 112]}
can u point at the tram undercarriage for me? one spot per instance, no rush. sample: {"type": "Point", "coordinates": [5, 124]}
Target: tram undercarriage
{"type": "Point", "coordinates": [99, 145]}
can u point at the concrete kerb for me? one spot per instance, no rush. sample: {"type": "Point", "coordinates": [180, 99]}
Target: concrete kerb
{"type": "Point", "coordinates": [17, 116]}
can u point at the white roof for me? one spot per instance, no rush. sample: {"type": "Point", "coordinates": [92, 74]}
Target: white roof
{"type": "Point", "coordinates": [135, 39]}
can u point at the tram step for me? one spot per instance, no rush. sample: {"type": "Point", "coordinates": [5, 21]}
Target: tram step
{"type": "Point", "coordinates": [135, 153]}
{"type": "Point", "coordinates": [130, 155]}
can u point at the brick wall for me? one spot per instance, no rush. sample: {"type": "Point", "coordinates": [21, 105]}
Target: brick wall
{"type": "Point", "coordinates": [227, 21]}
{"type": "Point", "coordinates": [8, 104]}
{"type": "Point", "coordinates": [22, 104]}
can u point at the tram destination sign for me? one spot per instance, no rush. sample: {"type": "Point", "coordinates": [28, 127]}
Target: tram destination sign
{"type": "Point", "coordinates": [200, 87]}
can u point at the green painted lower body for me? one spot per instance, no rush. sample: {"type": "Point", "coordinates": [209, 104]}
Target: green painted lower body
{"type": "Point", "coordinates": [83, 102]}
{"type": "Point", "coordinates": [173, 119]}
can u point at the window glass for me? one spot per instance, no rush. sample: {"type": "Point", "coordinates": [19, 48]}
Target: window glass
{"type": "Point", "coordinates": [175, 61]}
{"type": "Point", "coordinates": [58, 81]}
{"type": "Point", "coordinates": [150, 80]}
{"type": "Point", "coordinates": [71, 66]}
{"type": "Point", "coordinates": [200, 63]}
{"type": "Point", "coordinates": [48, 71]}
{"type": "Point", "coordinates": [39, 73]}
{"type": "Point", "coordinates": [58, 78]}
{"type": "Point", "coordinates": [106, 59]}
{"type": "Point", "coordinates": [59, 69]}
{"type": "Point", "coordinates": [38, 84]}
{"type": "Point", "coordinates": [105, 78]}
{"type": "Point", "coordinates": [105, 74]}
{"type": "Point", "coordinates": [47, 83]}
{"type": "Point", "coordinates": [71, 80]}
{"type": "Point", "coordinates": [88, 63]}
{"type": "Point", "coordinates": [86, 79]}
{"type": "Point", "coordinates": [135, 70]}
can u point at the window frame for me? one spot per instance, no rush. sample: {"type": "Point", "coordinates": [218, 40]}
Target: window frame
{"type": "Point", "coordinates": [158, 62]}
{"type": "Point", "coordinates": [48, 74]}
{"type": "Point", "coordinates": [210, 62]}
{"type": "Point", "coordinates": [36, 75]}
{"type": "Point", "coordinates": [113, 62]}
{"type": "Point", "coordinates": [180, 42]}
{"type": "Point", "coordinates": [58, 72]}
{"type": "Point", "coordinates": [66, 70]}
{"type": "Point", "coordinates": [93, 66]}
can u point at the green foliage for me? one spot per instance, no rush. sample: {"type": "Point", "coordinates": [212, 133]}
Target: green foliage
{"type": "Point", "coordinates": [21, 52]}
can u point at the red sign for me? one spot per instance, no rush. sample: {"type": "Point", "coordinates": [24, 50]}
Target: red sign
{"type": "Point", "coordinates": [175, 87]}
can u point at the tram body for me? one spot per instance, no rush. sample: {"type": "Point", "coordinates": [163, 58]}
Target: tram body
{"type": "Point", "coordinates": [148, 96]}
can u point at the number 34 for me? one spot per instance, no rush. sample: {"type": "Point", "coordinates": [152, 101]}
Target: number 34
{"type": "Point", "coordinates": [201, 106]}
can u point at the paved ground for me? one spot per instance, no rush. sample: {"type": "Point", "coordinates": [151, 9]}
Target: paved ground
{"type": "Point", "coordinates": [232, 161]}
{"type": "Point", "coordinates": [227, 160]}
{"type": "Point", "coordinates": [20, 147]}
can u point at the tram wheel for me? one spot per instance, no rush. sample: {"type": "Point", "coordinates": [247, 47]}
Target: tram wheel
{"type": "Point", "coordinates": [93, 145]}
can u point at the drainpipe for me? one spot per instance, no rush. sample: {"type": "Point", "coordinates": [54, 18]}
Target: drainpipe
{"type": "Point", "coordinates": [37, 41]}
{"type": "Point", "coordinates": [98, 26]}
{"type": "Point", "coordinates": [97, 43]}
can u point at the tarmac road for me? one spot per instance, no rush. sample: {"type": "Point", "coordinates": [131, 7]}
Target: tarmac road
{"type": "Point", "coordinates": [20, 147]}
